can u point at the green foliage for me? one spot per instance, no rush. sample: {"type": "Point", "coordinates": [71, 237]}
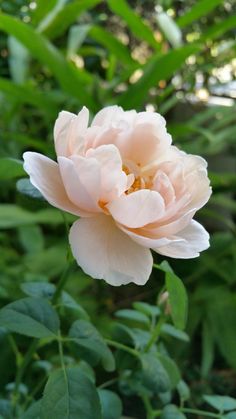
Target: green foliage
{"type": "Point", "coordinates": [31, 317]}
{"type": "Point", "coordinates": [91, 351]}
{"type": "Point", "coordinates": [70, 394]}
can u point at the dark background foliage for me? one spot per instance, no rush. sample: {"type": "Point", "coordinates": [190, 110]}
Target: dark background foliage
{"type": "Point", "coordinates": [174, 57]}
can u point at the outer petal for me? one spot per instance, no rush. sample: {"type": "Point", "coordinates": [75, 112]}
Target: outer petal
{"type": "Point", "coordinates": [137, 209]}
{"type": "Point", "coordinates": [45, 176]}
{"type": "Point", "coordinates": [193, 239]}
{"type": "Point", "coordinates": [105, 252]}
{"type": "Point", "coordinates": [69, 130]}
{"type": "Point", "coordinates": [81, 178]}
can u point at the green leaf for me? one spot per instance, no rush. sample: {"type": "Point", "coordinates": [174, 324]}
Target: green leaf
{"type": "Point", "coordinates": [221, 403]}
{"type": "Point", "coordinates": [170, 29]}
{"type": "Point", "coordinates": [10, 168]}
{"type": "Point", "coordinates": [33, 412]}
{"type": "Point", "coordinates": [133, 315]}
{"type": "Point", "coordinates": [49, 262]}
{"type": "Point", "coordinates": [91, 345]}
{"type": "Point", "coordinates": [172, 412]}
{"type": "Point", "coordinates": [87, 370]}
{"type": "Point", "coordinates": [31, 238]}
{"type": "Point", "coordinates": [178, 300]}
{"type": "Point", "coordinates": [33, 317]}
{"type": "Point", "coordinates": [217, 30]}
{"type": "Point", "coordinates": [175, 333]}
{"type": "Point", "coordinates": [67, 75]}
{"type": "Point", "coordinates": [25, 187]}
{"type": "Point", "coordinates": [171, 369]}
{"type": "Point", "coordinates": [111, 404]}
{"type": "Point", "coordinates": [183, 390]}
{"type": "Point", "coordinates": [69, 302]}
{"type": "Point", "coordinates": [42, 9]}
{"type": "Point", "coordinates": [159, 67]}
{"type": "Point", "coordinates": [29, 95]}
{"type": "Point", "coordinates": [49, 17]}
{"type": "Point", "coordinates": [18, 60]}
{"type": "Point", "coordinates": [113, 45]}
{"type": "Point", "coordinates": [164, 266]}
{"type": "Point", "coordinates": [70, 394]}
{"type": "Point", "coordinates": [77, 35]}
{"type": "Point", "coordinates": [231, 415]}
{"type": "Point", "coordinates": [208, 347]}
{"type": "Point", "coordinates": [139, 338]}
{"type": "Point", "coordinates": [199, 9]}
{"type": "Point", "coordinates": [154, 374]}
{"type": "Point", "coordinates": [39, 289]}
{"type": "Point", "coordinates": [12, 216]}
{"type": "Point", "coordinates": [147, 309]}
{"type": "Point", "coordinates": [5, 409]}
{"type": "Point", "coordinates": [68, 15]}
{"type": "Point", "coordinates": [140, 29]}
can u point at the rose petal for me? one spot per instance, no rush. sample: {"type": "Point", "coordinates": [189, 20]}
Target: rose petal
{"type": "Point", "coordinates": [113, 180]}
{"type": "Point", "coordinates": [45, 176]}
{"type": "Point", "coordinates": [107, 115]}
{"type": "Point", "coordinates": [81, 178]}
{"type": "Point", "coordinates": [105, 252]}
{"type": "Point", "coordinates": [193, 239]}
{"type": "Point", "coordinates": [68, 130]}
{"type": "Point", "coordinates": [138, 208]}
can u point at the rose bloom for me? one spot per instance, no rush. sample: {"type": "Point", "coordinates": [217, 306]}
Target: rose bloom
{"type": "Point", "coordinates": [132, 190]}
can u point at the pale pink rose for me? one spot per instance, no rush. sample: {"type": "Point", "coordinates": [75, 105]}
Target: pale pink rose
{"type": "Point", "coordinates": [133, 190]}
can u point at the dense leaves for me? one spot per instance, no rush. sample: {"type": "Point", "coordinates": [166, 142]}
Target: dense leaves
{"type": "Point", "coordinates": [144, 349]}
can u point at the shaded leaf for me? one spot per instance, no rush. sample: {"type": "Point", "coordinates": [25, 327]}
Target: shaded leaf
{"type": "Point", "coordinates": [91, 344]}
{"type": "Point", "coordinates": [172, 412]}
{"type": "Point", "coordinates": [178, 300]}
{"type": "Point", "coordinates": [133, 315]}
{"type": "Point", "coordinates": [154, 374]}
{"type": "Point", "coordinates": [111, 404]}
{"type": "Point", "coordinates": [175, 333]}
{"type": "Point", "coordinates": [25, 187]}
{"type": "Point", "coordinates": [147, 309]}
{"type": "Point", "coordinates": [221, 403]}
{"type": "Point", "coordinates": [39, 289]}
{"type": "Point", "coordinates": [10, 168]}
{"type": "Point", "coordinates": [33, 317]}
{"type": "Point", "coordinates": [70, 394]}
{"type": "Point", "coordinates": [33, 412]}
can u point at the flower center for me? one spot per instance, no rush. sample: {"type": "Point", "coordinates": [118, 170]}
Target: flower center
{"type": "Point", "coordinates": [140, 182]}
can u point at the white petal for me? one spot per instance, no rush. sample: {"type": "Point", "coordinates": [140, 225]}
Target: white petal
{"type": "Point", "coordinates": [45, 176]}
{"type": "Point", "coordinates": [105, 252]}
{"type": "Point", "coordinates": [81, 178]}
{"type": "Point", "coordinates": [60, 131]}
{"type": "Point", "coordinates": [107, 115]}
{"type": "Point", "coordinates": [69, 130]}
{"type": "Point", "coordinates": [192, 240]}
{"type": "Point", "coordinates": [138, 208]}
{"type": "Point", "coordinates": [113, 179]}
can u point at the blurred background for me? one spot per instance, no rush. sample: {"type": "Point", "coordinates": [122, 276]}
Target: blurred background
{"type": "Point", "coordinates": [172, 56]}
